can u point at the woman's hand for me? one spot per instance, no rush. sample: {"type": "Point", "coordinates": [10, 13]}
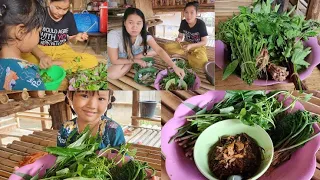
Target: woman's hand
{"type": "Point", "coordinates": [180, 72]}
{"type": "Point", "coordinates": [178, 39]}
{"type": "Point", "coordinates": [45, 62]}
{"type": "Point", "coordinates": [187, 47]}
{"type": "Point", "coordinates": [142, 63]}
{"type": "Point", "coordinates": [82, 37]}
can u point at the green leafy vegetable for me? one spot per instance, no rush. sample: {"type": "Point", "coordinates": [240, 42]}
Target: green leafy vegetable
{"type": "Point", "coordinates": [80, 161]}
{"type": "Point", "coordinates": [260, 36]}
{"type": "Point", "coordinates": [292, 131]}
{"type": "Point", "coordinates": [46, 78]}
{"type": "Point", "coordinates": [89, 79]}
{"type": "Point", "coordinates": [171, 80]}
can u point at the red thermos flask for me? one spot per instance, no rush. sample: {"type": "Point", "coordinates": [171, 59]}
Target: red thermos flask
{"type": "Point", "coordinates": [104, 17]}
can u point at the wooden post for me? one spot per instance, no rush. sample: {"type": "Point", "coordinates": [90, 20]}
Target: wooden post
{"type": "Point", "coordinates": [313, 11]}
{"type": "Point", "coordinates": [58, 113]}
{"type": "Point", "coordinates": [135, 107]}
{"type": "Point", "coordinates": [43, 123]}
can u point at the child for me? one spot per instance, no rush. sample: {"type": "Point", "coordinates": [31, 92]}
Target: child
{"type": "Point", "coordinates": [193, 29]}
{"type": "Point", "coordinates": [59, 28]}
{"type": "Point", "coordinates": [128, 45]}
{"type": "Point", "coordinates": [195, 34]}
{"type": "Point", "coordinates": [90, 108]}
{"type": "Point", "coordinates": [20, 24]}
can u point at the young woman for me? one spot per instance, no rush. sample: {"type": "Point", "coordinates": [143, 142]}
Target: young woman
{"type": "Point", "coordinates": [58, 29]}
{"type": "Point", "coordinates": [191, 28]}
{"type": "Point", "coordinates": [127, 46]}
{"type": "Point", "coordinates": [20, 24]}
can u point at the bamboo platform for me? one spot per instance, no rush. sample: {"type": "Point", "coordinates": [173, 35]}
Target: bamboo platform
{"type": "Point", "coordinates": [19, 101]}
{"type": "Point", "coordinates": [143, 136]}
{"type": "Point", "coordinates": [15, 152]}
{"type": "Point", "coordinates": [171, 100]}
{"type": "Point", "coordinates": [127, 82]}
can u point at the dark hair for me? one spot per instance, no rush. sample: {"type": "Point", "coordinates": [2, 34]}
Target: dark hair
{"type": "Point", "coordinates": [31, 13]}
{"type": "Point", "coordinates": [126, 36]}
{"type": "Point", "coordinates": [72, 93]}
{"type": "Point", "coordinates": [194, 3]}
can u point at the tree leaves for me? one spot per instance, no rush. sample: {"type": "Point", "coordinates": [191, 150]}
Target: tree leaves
{"type": "Point", "coordinates": [230, 69]}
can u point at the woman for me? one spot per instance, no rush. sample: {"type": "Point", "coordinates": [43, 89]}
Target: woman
{"type": "Point", "coordinates": [59, 28]}
{"type": "Point", "coordinates": [127, 46]}
{"type": "Point", "coordinates": [193, 29]}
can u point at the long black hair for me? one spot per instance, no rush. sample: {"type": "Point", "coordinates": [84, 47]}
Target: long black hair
{"type": "Point", "coordinates": [126, 36]}
{"type": "Point", "coordinates": [31, 13]}
{"type": "Point", "coordinates": [193, 3]}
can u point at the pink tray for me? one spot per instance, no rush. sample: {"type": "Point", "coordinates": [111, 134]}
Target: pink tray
{"type": "Point", "coordinates": [313, 58]}
{"type": "Point", "coordinates": [164, 73]}
{"type": "Point", "coordinates": [301, 166]}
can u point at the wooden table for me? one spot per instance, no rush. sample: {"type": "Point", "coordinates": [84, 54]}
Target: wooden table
{"type": "Point", "coordinates": [127, 82]}
{"type": "Point", "coordinates": [171, 100]}
{"type": "Point", "coordinates": [233, 82]}
{"type": "Point", "coordinates": [14, 153]}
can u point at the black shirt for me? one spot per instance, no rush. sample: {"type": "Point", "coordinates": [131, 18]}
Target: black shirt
{"type": "Point", "coordinates": [194, 34]}
{"type": "Point", "coordinates": [56, 33]}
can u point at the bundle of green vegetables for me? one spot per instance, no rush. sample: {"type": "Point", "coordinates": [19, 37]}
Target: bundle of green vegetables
{"type": "Point", "coordinates": [89, 79]}
{"type": "Point", "coordinates": [288, 131]}
{"type": "Point", "coordinates": [145, 76]}
{"type": "Point", "coordinates": [80, 161]}
{"type": "Point", "coordinates": [173, 82]}
{"type": "Point", "coordinates": [266, 44]}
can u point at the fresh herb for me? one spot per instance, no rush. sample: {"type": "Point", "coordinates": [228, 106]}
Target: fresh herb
{"type": "Point", "coordinates": [171, 80]}
{"type": "Point", "coordinates": [46, 78]}
{"type": "Point", "coordinates": [260, 37]}
{"type": "Point", "coordinates": [79, 159]}
{"type": "Point", "coordinates": [89, 79]}
{"type": "Point", "coordinates": [292, 131]}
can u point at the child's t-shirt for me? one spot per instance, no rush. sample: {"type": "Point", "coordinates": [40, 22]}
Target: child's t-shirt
{"type": "Point", "coordinates": [194, 34]}
{"type": "Point", "coordinates": [110, 131]}
{"type": "Point", "coordinates": [56, 33]}
{"type": "Point", "coordinates": [18, 74]}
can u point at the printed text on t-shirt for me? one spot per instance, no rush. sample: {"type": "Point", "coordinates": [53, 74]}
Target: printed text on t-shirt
{"type": "Point", "coordinates": [53, 37]}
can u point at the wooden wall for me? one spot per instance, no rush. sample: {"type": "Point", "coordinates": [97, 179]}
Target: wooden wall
{"type": "Point", "coordinates": [226, 8]}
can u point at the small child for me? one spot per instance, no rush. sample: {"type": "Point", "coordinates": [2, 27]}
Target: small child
{"type": "Point", "coordinates": [90, 108]}
{"type": "Point", "coordinates": [20, 25]}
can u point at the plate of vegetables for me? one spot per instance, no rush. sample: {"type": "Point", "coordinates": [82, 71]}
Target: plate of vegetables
{"type": "Point", "coordinates": [79, 160]}
{"type": "Point", "coordinates": [293, 130]}
{"type": "Point", "coordinates": [146, 76]}
{"type": "Point", "coordinates": [264, 47]}
{"type": "Point", "coordinates": [168, 80]}
{"type": "Point", "coordinates": [89, 79]}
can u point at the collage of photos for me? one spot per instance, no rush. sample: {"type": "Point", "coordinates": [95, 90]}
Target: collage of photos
{"type": "Point", "coordinates": [159, 89]}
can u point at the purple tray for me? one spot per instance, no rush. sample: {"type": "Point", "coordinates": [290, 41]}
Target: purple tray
{"type": "Point", "coordinates": [313, 58]}
{"type": "Point", "coordinates": [303, 161]}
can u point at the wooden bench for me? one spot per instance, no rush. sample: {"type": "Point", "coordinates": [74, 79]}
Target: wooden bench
{"type": "Point", "coordinates": [96, 37]}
